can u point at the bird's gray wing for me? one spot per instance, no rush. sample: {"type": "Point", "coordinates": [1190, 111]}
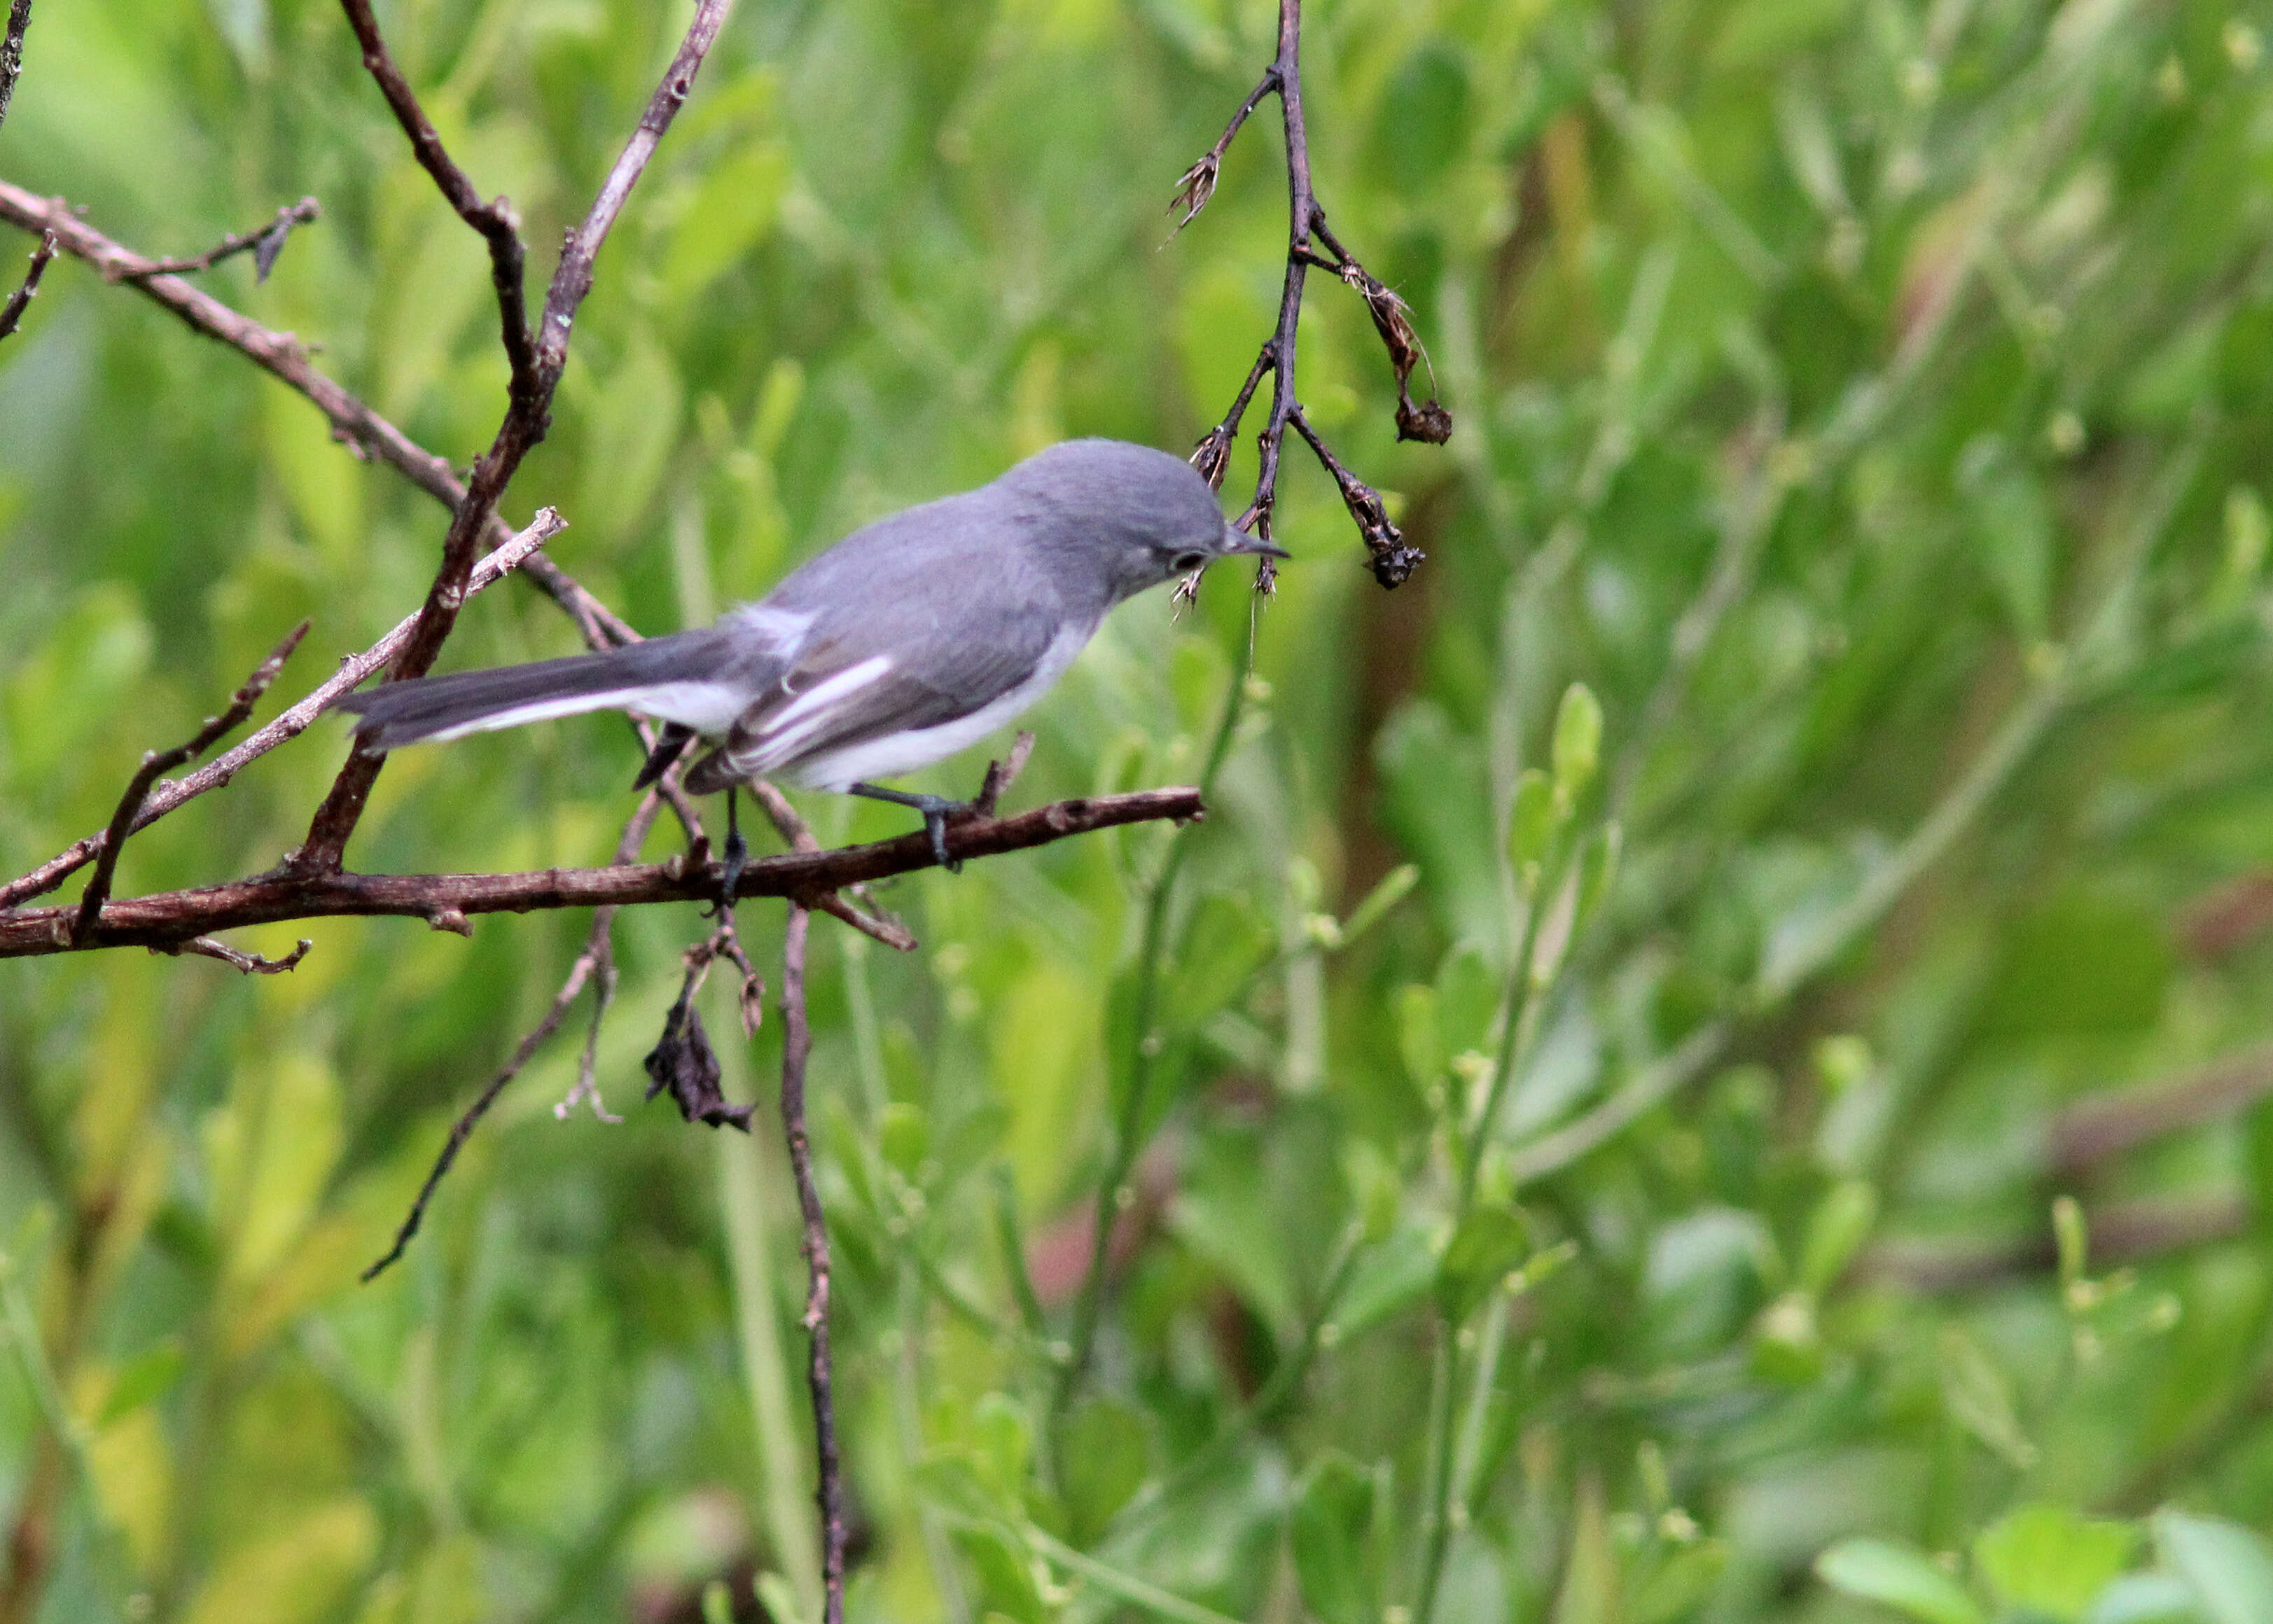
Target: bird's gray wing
{"type": "Point", "coordinates": [915, 622]}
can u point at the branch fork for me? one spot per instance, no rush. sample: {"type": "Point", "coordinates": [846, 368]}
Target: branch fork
{"type": "Point", "coordinates": [1390, 559]}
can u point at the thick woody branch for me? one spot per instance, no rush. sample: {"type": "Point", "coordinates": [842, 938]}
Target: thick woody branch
{"type": "Point", "coordinates": [156, 762]}
{"type": "Point", "coordinates": [12, 51]}
{"type": "Point", "coordinates": [526, 420]}
{"type": "Point", "coordinates": [288, 725]}
{"type": "Point", "coordinates": [447, 900]}
{"type": "Point", "coordinates": [496, 223]}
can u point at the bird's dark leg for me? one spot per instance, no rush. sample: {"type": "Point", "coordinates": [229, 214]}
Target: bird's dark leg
{"type": "Point", "coordinates": [735, 857]}
{"type": "Point", "coordinates": [936, 810]}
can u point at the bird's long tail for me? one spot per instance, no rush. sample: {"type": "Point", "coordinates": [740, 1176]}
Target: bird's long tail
{"type": "Point", "coordinates": [679, 679]}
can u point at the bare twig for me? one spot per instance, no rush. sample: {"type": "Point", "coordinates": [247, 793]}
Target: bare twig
{"type": "Point", "coordinates": [290, 725]}
{"type": "Point", "coordinates": [1391, 559]}
{"type": "Point", "coordinates": [496, 223]}
{"type": "Point", "coordinates": [599, 947]}
{"type": "Point", "coordinates": [447, 900]}
{"type": "Point", "coordinates": [155, 762]}
{"type": "Point", "coordinates": [12, 313]}
{"type": "Point", "coordinates": [462, 1128]}
{"type": "Point", "coordinates": [2130, 1232]}
{"type": "Point", "coordinates": [792, 829]}
{"type": "Point", "coordinates": [12, 51]}
{"type": "Point", "coordinates": [264, 242]}
{"type": "Point", "coordinates": [251, 964]}
{"type": "Point", "coordinates": [2091, 1130]}
{"type": "Point", "coordinates": [526, 420]}
{"type": "Point", "coordinates": [354, 424]}
{"type": "Point", "coordinates": [797, 1045]}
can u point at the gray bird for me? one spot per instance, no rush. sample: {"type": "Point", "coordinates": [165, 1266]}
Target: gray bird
{"type": "Point", "coordinates": [905, 643]}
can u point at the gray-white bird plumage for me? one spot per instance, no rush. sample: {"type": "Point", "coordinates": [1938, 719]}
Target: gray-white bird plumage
{"type": "Point", "coordinates": [905, 641]}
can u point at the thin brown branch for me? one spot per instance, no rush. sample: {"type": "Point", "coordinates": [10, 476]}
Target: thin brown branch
{"type": "Point", "coordinates": [447, 900]}
{"type": "Point", "coordinates": [12, 51]}
{"type": "Point", "coordinates": [13, 314]}
{"type": "Point", "coordinates": [354, 424]}
{"type": "Point", "coordinates": [496, 223]}
{"type": "Point", "coordinates": [2095, 1130]}
{"type": "Point", "coordinates": [525, 424]}
{"type": "Point", "coordinates": [1198, 183]}
{"type": "Point", "coordinates": [599, 947]}
{"type": "Point", "coordinates": [797, 1047]}
{"type": "Point", "coordinates": [264, 242]}
{"type": "Point", "coordinates": [1392, 561]}
{"type": "Point", "coordinates": [155, 762]}
{"type": "Point", "coordinates": [463, 1128]}
{"type": "Point", "coordinates": [290, 725]}
{"type": "Point", "coordinates": [2133, 1232]}
{"type": "Point", "coordinates": [792, 829]}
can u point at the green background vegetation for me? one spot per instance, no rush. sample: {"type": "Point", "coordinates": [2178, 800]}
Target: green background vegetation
{"type": "Point", "coordinates": [1869, 402]}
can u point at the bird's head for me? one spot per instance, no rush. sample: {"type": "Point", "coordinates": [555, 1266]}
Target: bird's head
{"type": "Point", "coordinates": [1122, 518]}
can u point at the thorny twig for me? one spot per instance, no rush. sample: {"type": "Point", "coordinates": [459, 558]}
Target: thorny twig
{"type": "Point", "coordinates": [264, 242]}
{"type": "Point", "coordinates": [157, 763]}
{"type": "Point", "coordinates": [527, 417]}
{"type": "Point", "coordinates": [797, 1045]}
{"type": "Point", "coordinates": [1392, 561]}
{"type": "Point", "coordinates": [12, 313]}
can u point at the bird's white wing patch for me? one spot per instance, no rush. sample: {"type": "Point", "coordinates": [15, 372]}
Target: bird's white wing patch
{"type": "Point", "coordinates": [706, 707]}
{"type": "Point", "coordinates": [798, 720]}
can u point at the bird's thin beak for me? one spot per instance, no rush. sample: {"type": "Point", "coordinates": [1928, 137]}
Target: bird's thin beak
{"type": "Point", "coordinates": [1238, 541]}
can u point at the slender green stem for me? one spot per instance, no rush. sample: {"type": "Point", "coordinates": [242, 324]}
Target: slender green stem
{"type": "Point", "coordinates": [1128, 1130]}
{"type": "Point", "coordinates": [1128, 1587]}
{"type": "Point", "coordinates": [1275, 1392]}
{"type": "Point", "coordinates": [751, 1254]}
{"type": "Point", "coordinates": [1437, 1526]}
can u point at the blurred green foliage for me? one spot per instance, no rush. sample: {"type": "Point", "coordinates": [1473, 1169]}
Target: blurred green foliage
{"type": "Point", "coordinates": [1649, 1216]}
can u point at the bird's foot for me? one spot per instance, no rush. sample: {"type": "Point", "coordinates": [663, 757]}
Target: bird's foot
{"type": "Point", "coordinates": [936, 810]}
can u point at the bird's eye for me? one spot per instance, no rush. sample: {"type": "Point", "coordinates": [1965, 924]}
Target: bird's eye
{"type": "Point", "coordinates": [1184, 563]}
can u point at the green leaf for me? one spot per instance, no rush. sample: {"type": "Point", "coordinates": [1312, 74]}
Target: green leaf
{"type": "Point", "coordinates": [1577, 742]}
{"type": "Point", "coordinates": [1980, 1398]}
{"type": "Point", "coordinates": [904, 1134]}
{"type": "Point", "coordinates": [1530, 820]}
{"type": "Point", "coordinates": [2050, 1560]}
{"type": "Point", "coordinates": [1489, 1244]}
{"type": "Point", "coordinates": [1327, 1532]}
{"type": "Point", "coordinates": [1897, 1576]}
{"type": "Point", "coordinates": [1395, 886]}
{"type": "Point", "coordinates": [1835, 1231]}
{"type": "Point", "coordinates": [1005, 1574]}
{"type": "Point", "coordinates": [2226, 1565]}
{"type": "Point", "coordinates": [1418, 1041]}
{"type": "Point", "coordinates": [145, 1377]}
{"type": "Point", "coordinates": [1105, 1457]}
{"type": "Point", "coordinates": [1386, 1281]}
{"type": "Point", "coordinates": [1680, 1587]}
{"type": "Point", "coordinates": [1598, 871]}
